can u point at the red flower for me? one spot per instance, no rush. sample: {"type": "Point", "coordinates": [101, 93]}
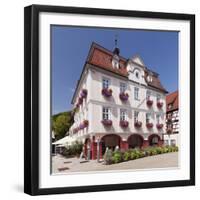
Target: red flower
{"type": "Point", "coordinates": [149, 102]}
{"type": "Point", "coordinates": [138, 124]}
{"type": "Point", "coordinates": [86, 123]}
{"type": "Point", "coordinates": [80, 100]}
{"type": "Point", "coordinates": [159, 126]}
{"type": "Point", "coordinates": [159, 104]}
{"type": "Point", "coordinates": [149, 125]}
{"type": "Point", "coordinates": [123, 96]}
{"type": "Point", "coordinates": [106, 92]}
{"type": "Point", "coordinates": [84, 93]}
{"type": "Point", "coordinates": [124, 123]}
{"type": "Point", "coordinates": [107, 122]}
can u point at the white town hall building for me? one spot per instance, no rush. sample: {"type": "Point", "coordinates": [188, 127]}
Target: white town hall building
{"type": "Point", "coordinates": [117, 102]}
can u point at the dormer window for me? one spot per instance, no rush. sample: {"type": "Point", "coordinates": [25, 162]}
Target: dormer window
{"type": "Point", "coordinates": [170, 106]}
{"type": "Point", "coordinates": [115, 61]}
{"type": "Point", "coordinates": [115, 58]}
{"type": "Point", "coordinates": [149, 78]}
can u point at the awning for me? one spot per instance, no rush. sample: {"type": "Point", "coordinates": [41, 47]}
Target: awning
{"type": "Point", "coordinates": [67, 140]}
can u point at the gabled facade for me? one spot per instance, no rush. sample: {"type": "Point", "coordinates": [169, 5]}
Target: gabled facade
{"type": "Point", "coordinates": [118, 102]}
{"type": "Point", "coordinates": [171, 136]}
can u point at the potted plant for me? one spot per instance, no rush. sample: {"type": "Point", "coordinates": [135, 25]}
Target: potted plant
{"type": "Point", "coordinates": [84, 93]}
{"type": "Point", "coordinates": [80, 100]}
{"type": "Point", "coordinates": [149, 102]}
{"type": "Point", "coordinates": [106, 92]}
{"type": "Point", "coordinates": [138, 124]}
{"type": "Point", "coordinates": [124, 123]}
{"type": "Point", "coordinates": [159, 126]}
{"type": "Point", "coordinates": [81, 126]}
{"type": "Point", "coordinates": [86, 123]}
{"type": "Point", "coordinates": [159, 104]}
{"type": "Point", "coordinates": [149, 125]}
{"type": "Point", "coordinates": [123, 96]}
{"type": "Point", "coordinates": [107, 122]}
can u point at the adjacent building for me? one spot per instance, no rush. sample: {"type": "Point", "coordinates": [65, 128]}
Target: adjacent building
{"type": "Point", "coordinates": [171, 137]}
{"type": "Point", "coordinates": [117, 102]}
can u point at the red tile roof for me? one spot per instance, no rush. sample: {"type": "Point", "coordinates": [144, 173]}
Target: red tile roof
{"type": "Point", "coordinates": [172, 101]}
{"type": "Point", "coordinates": [101, 57]}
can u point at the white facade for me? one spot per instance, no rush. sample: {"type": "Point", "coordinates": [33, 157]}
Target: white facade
{"type": "Point", "coordinates": [92, 106]}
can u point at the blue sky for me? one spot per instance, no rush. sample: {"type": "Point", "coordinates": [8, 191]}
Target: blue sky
{"type": "Point", "coordinates": [70, 46]}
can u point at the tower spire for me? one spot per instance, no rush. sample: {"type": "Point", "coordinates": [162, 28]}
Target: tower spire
{"type": "Point", "coordinates": [116, 50]}
{"type": "Point", "coordinates": [116, 40]}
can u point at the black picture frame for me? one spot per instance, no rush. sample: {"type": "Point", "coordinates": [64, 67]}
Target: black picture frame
{"type": "Point", "coordinates": [31, 99]}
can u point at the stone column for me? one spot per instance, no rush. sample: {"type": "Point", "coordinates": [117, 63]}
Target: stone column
{"type": "Point", "coordinates": [100, 150]}
{"type": "Point", "coordinates": [94, 150]}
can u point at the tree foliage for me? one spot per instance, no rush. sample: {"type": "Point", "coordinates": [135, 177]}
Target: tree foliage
{"type": "Point", "coordinates": [61, 123]}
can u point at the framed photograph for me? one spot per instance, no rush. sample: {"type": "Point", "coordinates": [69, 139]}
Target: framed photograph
{"type": "Point", "coordinates": [109, 100]}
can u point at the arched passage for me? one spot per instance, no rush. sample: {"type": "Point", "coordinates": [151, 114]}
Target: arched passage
{"type": "Point", "coordinates": [135, 141]}
{"type": "Point", "coordinates": [110, 141]}
{"type": "Point", "coordinates": [154, 139]}
{"type": "Point", "coordinates": [87, 148]}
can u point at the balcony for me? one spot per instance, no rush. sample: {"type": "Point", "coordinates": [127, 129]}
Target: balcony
{"type": "Point", "coordinates": [124, 123]}
{"type": "Point", "coordinates": [149, 102]}
{"type": "Point", "coordinates": [159, 104]}
{"type": "Point", "coordinates": [138, 124]}
{"type": "Point", "coordinates": [106, 92]}
{"type": "Point", "coordinates": [123, 96]}
{"type": "Point", "coordinates": [149, 125]}
{"type": "Point", "coordinates": [107, 122]}
{"type": "Point", "coordinates": [159, 126]}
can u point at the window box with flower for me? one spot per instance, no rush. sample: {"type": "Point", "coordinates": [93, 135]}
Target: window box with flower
{"type": "Point", "coordinates": [149, 125]}
{"type": "Point", "coordinates": [106, 122]}
{"type": "Point", "coordinates": [138, 124]}
{"type": "Point", "coordinates": [106, 92]}
{"type": "Point", "coordinates": [124, 123]}
{"type": "Point", "coordinates": [123, 96]}
{"type": "Point", "coordinates": [159, 104]}
{"type": "Point", "coordinates": [84, 93]}
{"type": "Point", "coordinates": [159, 126]}
{"type": "Point", "coordinates": [149, 102]}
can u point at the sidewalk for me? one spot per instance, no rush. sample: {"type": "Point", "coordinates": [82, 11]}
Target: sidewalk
{"type": "Point", "coordinates": [65, 165]}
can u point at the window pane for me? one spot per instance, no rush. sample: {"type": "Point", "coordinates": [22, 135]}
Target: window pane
{"type": "Point", "coordinates": [105, 113]}
{"type": "Point", "coordinates": [106, 83]}
{"type": "Point", "coordinates": [136, 93]}
{"type": "Point", "coordinates": [122, 87]}
{"type": "Point", "coordinates": [123, 114]}
{"type": "Point", "coordinates": [136, 113]}
{"type": "Point", "coordinates": [147, 117]}
{"type": "Point", "coordinates": [148, 94]}
{"type": "Point", "coordinates": [158, 97]}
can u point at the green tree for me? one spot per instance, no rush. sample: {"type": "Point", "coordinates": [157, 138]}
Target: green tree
{"type": "Point", "coordinates": [61, 124]}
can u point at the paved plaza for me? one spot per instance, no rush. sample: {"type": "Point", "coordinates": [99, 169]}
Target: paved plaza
{"type": "Point", "coordinates": [61, 164]}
